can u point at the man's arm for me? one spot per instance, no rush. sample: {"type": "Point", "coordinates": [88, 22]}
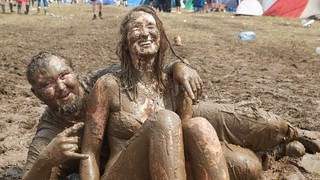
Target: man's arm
{"type": "Point", "coordinates": [36, 166]}
{"type": "Point", "coordinates": [187, 77]}
{"type": "Point", "coordinates": [43, 156]}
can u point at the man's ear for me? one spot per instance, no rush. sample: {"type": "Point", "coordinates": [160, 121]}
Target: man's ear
{"type": "Point", "coordinates": [35, 93]}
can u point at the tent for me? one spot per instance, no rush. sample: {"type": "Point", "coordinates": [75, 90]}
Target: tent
{"type": "Point", "coordinates": [105, 2]}
{"type": "Point", "coordinates": [137, 2]}
{"type": "Point", "coordinates": [291, 8]}
{"type": "Point", "coordinates": [110, 2]}
{"type": "Point", "coordinates": [231, 5]}
{"type": "Point", "coordinates": [249, 7]}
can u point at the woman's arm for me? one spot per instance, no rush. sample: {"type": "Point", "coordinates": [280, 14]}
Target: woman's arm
{"type": "Point", "coordinates": [96, 120]}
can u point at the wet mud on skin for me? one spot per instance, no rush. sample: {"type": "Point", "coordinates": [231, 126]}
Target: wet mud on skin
{"type": "Point", "coordinates": [279, 69]}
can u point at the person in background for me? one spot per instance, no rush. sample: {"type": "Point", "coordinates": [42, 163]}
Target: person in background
{"type": "Point", "coordinates": [26, 12]}
{"type": "Point", "coordinates": [3, 6]}
{"type": "Point", "coordinates": [178, 6]}
{"type": "Point", "coordinates": [94, 4]}
{"type": "Point", "coordinates": [167, 6]}
{"type": "Point", "coordinates": [19, 6]}
{"type": "Point", "coordinates": [45, 6]}
{"type": "Point", "coordinates": [151, 4]}
{"type": "Point", "coordinates": [125, 3]}
{"type": "Point", "coordinates": [161, 5]}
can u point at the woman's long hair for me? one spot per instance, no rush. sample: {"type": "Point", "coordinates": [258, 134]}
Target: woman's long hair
{"type": "Point", "coordinates": [128, 75]}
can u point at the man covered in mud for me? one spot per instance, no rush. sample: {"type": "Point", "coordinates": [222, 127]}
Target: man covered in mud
{"type": "Point", "coordinates": [54, 146]}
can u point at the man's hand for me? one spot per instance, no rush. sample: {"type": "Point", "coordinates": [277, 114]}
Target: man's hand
{"type": "Point", "coordinates": [189, 79]}
{"type": "Point", "coordinates": [64, 146]}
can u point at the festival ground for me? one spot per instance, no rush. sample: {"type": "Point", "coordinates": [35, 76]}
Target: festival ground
{"type": "Point", "coordinates": [278, 69]}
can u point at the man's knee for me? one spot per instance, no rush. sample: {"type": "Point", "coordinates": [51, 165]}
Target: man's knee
{"type": "Point", "coordinates": [242, 163]}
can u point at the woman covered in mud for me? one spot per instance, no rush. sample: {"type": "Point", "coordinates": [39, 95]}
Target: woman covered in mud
{"type": "Point", "coordinates": [135, 111]}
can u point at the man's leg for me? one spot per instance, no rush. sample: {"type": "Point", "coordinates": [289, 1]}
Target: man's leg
{"type": "Point", "coordinates": [242, 163]}
{"type": "Point", "coordinates": [39, 6]}
{"type": "Point", "coordinates": [19, 7]}
{"type": "Point", "coordinates": [46, 5]}
{"type": "Point", "coordinates": [11, 6]}
{"type": "Point", "coordinates": [27, 7]}
{"type": "Point", "coordinates": [94, 9]}
{"type": "Point", "coordinates": [100, 9]}
{"type": "Point", "coordinates": [246, 125]}
{"type": "Point", "coordinates": [3, 7]}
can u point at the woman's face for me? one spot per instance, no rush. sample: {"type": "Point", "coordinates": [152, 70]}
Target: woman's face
{"type": "Point", "coordinates": [143, 35]}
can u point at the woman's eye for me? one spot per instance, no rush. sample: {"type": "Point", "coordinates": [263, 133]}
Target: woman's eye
{"type": "Point", "coordinates": [151, 26]}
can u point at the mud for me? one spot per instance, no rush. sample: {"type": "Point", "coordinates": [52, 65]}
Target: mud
{"type": "Point", "coordinates": [279, 69]}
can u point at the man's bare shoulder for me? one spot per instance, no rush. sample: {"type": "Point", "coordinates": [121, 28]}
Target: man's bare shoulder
{"type": "Point", "coordinates": [88, 79]}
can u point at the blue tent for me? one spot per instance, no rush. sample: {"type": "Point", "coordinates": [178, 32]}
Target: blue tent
{"type": "Point", "coordinates": [110, 2]}
{"type": "Point", "coordinates": [138, 2]}
{"type": "Point", "coordinates": [105, 2]}
{"type": "Point", "coordinates": [147, 2]}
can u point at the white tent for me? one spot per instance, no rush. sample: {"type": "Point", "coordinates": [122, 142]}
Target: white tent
{"type": "Point", "coordinates": [249, 7]}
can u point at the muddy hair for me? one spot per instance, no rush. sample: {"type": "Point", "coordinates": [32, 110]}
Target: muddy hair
{"type": "Point", "coordinates": [41, 60]}
{"type": "Point", "coordinates": [128, 75]}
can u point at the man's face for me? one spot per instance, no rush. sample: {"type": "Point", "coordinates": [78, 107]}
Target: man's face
{"type": "Point", "coordinates": [57, 86]}
{"type": "Point", "coordinates": [143, 34]}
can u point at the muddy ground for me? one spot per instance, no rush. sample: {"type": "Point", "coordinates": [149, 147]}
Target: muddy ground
{"type": "Point", "coordinates": [279, 69]}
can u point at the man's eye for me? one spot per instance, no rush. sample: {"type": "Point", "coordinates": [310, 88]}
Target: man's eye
{"type": "Point", "coordinates": [46, 85]}
{"type": "Point", "coordinates": [63, 75]}
{"type": "Point", "coordinates": [135, 29]}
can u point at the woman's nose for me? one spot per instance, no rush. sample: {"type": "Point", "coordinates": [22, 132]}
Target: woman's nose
{"type": "Point", "coordinates": [144, 32]}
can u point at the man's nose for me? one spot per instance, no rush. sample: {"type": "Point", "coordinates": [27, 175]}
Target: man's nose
{"type": "Point", "coordinates": [60, 84]}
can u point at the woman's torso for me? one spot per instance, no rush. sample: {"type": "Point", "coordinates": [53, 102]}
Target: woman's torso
{"type": "Point", "coordinates": [126, 115]}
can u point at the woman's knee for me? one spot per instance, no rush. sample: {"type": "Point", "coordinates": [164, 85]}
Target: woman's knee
{"type": "Point", "coordinates": [166, 119]}
{"type": "Point", "coordinates": [199, 125]}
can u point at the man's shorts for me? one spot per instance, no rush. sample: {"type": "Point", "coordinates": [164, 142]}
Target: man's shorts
{"type": "Point", "coordinates": [98, 1]}
{"type": "Point", "coordinates": [178, 4]}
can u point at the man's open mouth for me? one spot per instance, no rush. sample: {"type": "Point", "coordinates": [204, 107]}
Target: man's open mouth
{"type": "Point", "coordinates": [65, 96]}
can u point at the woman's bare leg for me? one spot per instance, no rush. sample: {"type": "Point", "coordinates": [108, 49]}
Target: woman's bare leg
{"type": "Point", "coordinates": [155, 152]}
{"type": "Point", "coordinates": [203, 150]}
